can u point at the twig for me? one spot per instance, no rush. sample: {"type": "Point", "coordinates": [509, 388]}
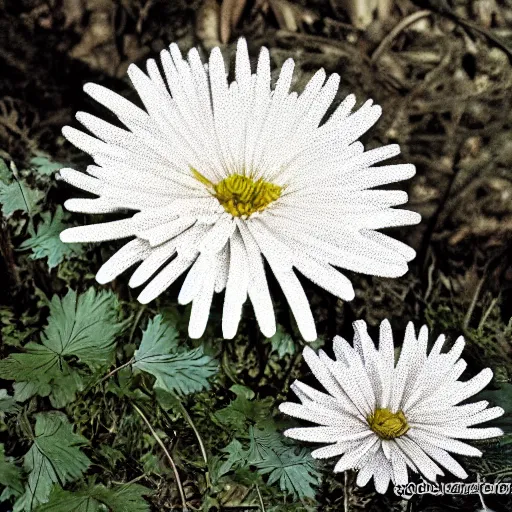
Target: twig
{"type": "Point", "coordinates": [114, 371]}
{"type": "Point", "coordinates": [486, 314]}
{"type": "Point", "coordinates": [189, 420]}
{"type": "Point", "coordinates": [162, 445]}
{"type": "Point", "coordinates": [261, 498]}
{"type": "Point", "coordinates": [402, 25]}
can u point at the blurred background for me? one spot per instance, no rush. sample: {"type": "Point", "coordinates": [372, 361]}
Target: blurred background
{"type": "Point", "coordinates": [441, 69]}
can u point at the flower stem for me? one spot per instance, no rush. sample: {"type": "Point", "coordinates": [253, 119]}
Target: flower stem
{"type": "Point", "coordinates": [166, 451]}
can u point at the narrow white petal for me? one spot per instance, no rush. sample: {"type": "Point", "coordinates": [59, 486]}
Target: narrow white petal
{"type": "Point", "coordinates": [165, 278]}
{"type": "Point", "coordinates": [152, 263]}
{"type": "Point", "coordinates": [128, 255]}
{"type": "Point", "coordinates": [81, 180]}
{"type": "Point", "coordinates": [202, 303]}
{"type": "Point", "coordinates": [352, 458]}
{"type": "Point", "coordinates": [236, 287]}
{"type": "Point", "coordinates": [99, 232]}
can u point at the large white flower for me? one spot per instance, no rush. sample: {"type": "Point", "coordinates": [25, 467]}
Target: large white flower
{"type": "Point", "coordinates": [220, 174]}
{"type": "Point", "coordinates": [384, 418]}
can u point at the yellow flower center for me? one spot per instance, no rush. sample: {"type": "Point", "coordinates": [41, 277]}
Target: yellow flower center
{"type": "Point", "coordinates": [387, 424]}
{"type": "Point", "coordinates": [241, 195]}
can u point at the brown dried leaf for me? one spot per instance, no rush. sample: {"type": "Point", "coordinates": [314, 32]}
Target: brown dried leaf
{"type": "Point", "coordinates": [230, 14]}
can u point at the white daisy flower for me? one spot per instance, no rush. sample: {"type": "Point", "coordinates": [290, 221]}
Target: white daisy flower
{"type": "Point", "coordinates": [384, 418]}
{"type": "Point", "coordinates": [220, 175]}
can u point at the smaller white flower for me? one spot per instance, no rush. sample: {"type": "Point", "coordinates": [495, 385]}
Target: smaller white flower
{"type": "Point", "coordinates": [384, 418]}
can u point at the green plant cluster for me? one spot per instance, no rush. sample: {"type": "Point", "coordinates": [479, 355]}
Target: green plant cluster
{"type": "Point", "coordinates": [106, 405]}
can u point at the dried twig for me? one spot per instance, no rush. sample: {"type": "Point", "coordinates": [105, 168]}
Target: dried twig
{"type": "Point", "coordinates": [409, 20]}
{"type": "Point", "coordinates": [168, 455]}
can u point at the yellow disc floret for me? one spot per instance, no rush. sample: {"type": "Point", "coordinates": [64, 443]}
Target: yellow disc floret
{"type": "Point", "coordinates": [241, 195]}
{"type": "Point", "coordinates": [387, 424]}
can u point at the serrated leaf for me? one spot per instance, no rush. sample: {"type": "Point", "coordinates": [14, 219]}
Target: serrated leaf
{"type": "Point", "coordinates": [282, 343]}
{"type": "Point", "coordinates": [176, 370]}
{"type": "Point", "coordinates": [55, 457]}
{"type": "Point", "coordinates": [10, 476]}
{"type": "Point", "coordinates": [263, 444]}
{"type": "Point", "coordinates": [46, 242]}
{"type": "Point", "coordinates": [7, 403]}
{"type": "Point", "coordinates": [18, 196]}
{"type": "Point", "coordinates": [294, 470]}
{"type": "Point", "coordinates": [237, 457]}
{"type": "Point", "coordinates": [80, 327]}
{"type": "Point", "coordinates": [125, 498]}
{"type": "Point", "coordinates": [45, 166]}
{"type": "Point", "coordinates": [243, 410]}
{"type": "Point", "coordinates": [85, 326]}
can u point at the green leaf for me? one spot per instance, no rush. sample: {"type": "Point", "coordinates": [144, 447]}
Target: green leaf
{"type": "Point", "coordinates": [5, 173]}
{"type": "Point", "coordinates": [46, 242]}
{"type": "Point", "coordinates": [55, 457]}
{"type": "Point", "coordinates": [263, 444]}
{"type": "Point", "coordinates": [282, 343]}
{"type": "Point", "coordinates": [10, 477]}
{"type": "Point", "coordinates": [126, 498]}
{"type": "Point", "coordinates": [85, 326]}
{"type": "Point", "coordinates": [70, 501]}
{"type": "Point", "coordinates": [7, 403]}
{"type": "Point", "coordinates": [45, 166]}
{"type": "Point", "coordinates": [17, 195]}
{"type": "Point", "coordinates": [80, 328]}
{"type": "Point", "coordinates": [244, 410]}
{"type": "Point", "coordinates": [237, 457]}
{"type": "Point", "coordinates": [294, 470]}
{"type": "Point", "coordinates": [176, 370]}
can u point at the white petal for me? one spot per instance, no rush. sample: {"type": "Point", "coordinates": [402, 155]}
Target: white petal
{"type": "Point", "coordinates": [99, 232]}
{"type": "Point", "coordinates": [165, 278]}
{"type": "Point", "coordinates": [201, 304]}
{"type": "Point", "coordinates": [236, 287]}
{"type": "Point", "coordinates": [128, 255]}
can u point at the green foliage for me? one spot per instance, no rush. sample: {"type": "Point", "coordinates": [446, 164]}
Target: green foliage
{"type": "Point", "coordinates": [7, 403]}
{"type": "Point", "coordinates": [237, 457]}
{"type": "Point", "coordinates": [273, 455]}
{"type": "Point", "coordinates": [244, 410]}
{"type": "Point", "coordinates": [293, 468]}
{"type": "Point", "coordinates": [67, 364]}
{"type": "Point", "coordinates": [81, 329]}
{"type": "Point", "coordinates": [46, 243]}
{"type": "Point", "coordinates": [5, 173]}
{"type": "Point", "coordinates": [55, 457]}
{"type": "Point", "coordinates": [10, 477]}
{"type": "Point", "coordinates": [176, 370]}
{"type": "Point", "coordinates": [15, 330]}
{"type": "Point", "coordinates": [268, 451]}
{"type": "Point", "coordinates": [282, 342]}
{"type": "Point", "coordinates": [45, 166]}
{"type": "Point", "coordinates": [18, 196]}
{"type": "Point", "coordinates": [125, 498]}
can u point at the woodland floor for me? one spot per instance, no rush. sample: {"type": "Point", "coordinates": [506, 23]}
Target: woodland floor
{"type": "Point", "coordinates": [446, 94]}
